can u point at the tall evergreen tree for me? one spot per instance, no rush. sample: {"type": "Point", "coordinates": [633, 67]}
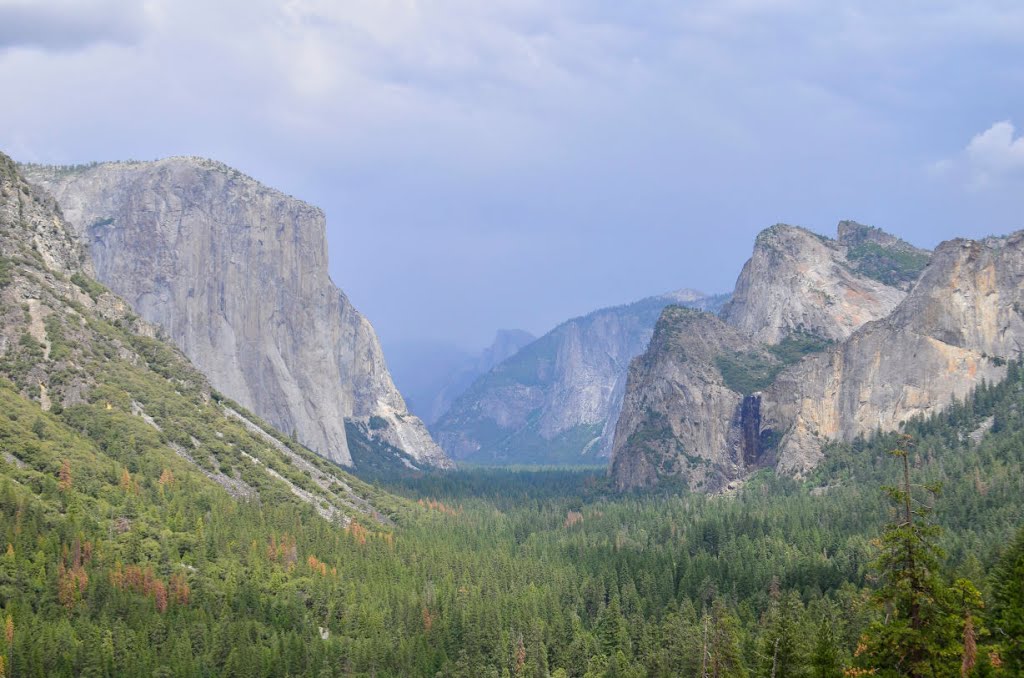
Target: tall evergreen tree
{"type": "Point", "coordinates": [917, 636]}
{"type": "Point", "coordinates": [1008, 605]}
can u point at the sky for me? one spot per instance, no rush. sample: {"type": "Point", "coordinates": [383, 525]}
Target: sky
{"type": "Point", "coordinates": [491, 164]}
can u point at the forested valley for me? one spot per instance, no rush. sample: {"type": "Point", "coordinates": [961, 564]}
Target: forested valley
{"type": "Point", "coordinates": [524, 572]}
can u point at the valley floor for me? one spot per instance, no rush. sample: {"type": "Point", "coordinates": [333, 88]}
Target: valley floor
{"type": "Point", "coordinates": [492, 572]}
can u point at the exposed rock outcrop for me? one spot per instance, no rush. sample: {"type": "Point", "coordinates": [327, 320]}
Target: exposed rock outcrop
{"type": "Point", "coordinates": [236, 274]}
{"type": "Point", "coordinates": [708, 408]}
{"type": "Point", "coordinates": [556, 399]}
{"type": "Point", "coordinates": [799, 281]}
{"type": "Point", "coordinates": [679, 417]}
{"type": "Point", "coordinates": [959, 325]}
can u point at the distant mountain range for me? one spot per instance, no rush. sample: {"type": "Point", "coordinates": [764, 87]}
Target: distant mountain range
{"type": "Point", "coordinates": [556, 400]}
{"type": "Point", "coordinates": [432, 375]}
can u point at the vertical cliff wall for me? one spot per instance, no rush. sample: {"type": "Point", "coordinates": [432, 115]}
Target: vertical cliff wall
{"type": "Point", "coordinates": [236, 275]}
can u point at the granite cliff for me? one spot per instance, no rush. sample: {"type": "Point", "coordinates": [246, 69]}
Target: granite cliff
{"type": "Point", "coordinates": [236, 275]}
{"type": "Point", "coordinates": [557, 399]}
{"type": "Point", "coordinates": [704, 402]}
{"type": "Point", "coordinates": [960, 324]}
{"type": "Point", "coordinates": [799, 281]}
{"type": "Point", "coordinates": [108, 398]}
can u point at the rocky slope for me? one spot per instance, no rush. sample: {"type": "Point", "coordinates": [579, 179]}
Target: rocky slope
{"type": "Point", "coordinates": [679, 416]}
{"type": "Point", "coordinates": [432, 376]}
{"type": "Point", "coordinates": [799, 281]}
{"type": "Point", "coordinates": [959, 325]}
{"type": "Point", "coordinates": [556, 400]}
{"type": "Point", "coordinates": [696, 405]}
{"type": "Point", "coordinates": [236, 275]}
{"type": "Point", "coordinates": [111, 398]}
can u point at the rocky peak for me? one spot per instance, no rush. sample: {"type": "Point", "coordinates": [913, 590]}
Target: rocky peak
{"type": "Point", "coordinates": [680, 415]}
{"type": "Point", "coordinates": [506, 343]}
{"type": "Point", "coordinates": [710, 399]}
{"type": "Point", "coordinates": [798, 281]}
{"type": "Point", "coordinates": [960, 323]}
{"type": "Point", "coordinates": [236, 274]}
{"type": "Point", "coordinates": [34, 228]}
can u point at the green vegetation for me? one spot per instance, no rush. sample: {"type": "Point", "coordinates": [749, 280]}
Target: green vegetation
{"type": "Point", "coordinates": [494, 572]}
{"type": "Point", "coordinates": [751, 371]}
{"type": "Point", "coordinates": [5, 272]}
{"type": "Point", "coordinates": [88, 285]}
{"type": "Point", "coordinates": [748, 372]}
{"type": "Point", "coordinates": [794, 347]}
{"type": "Point", "coordinates": [99, 223]}
{"type": "Point", "coordinates": [891, 265]}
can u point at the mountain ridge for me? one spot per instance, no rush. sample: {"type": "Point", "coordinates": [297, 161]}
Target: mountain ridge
{"type": "Point", "coordinates": [800, 296]}
{"type": "Point", "coordinates": [236, 274]}
{"type": "Point", "coordinates": [555, 400]}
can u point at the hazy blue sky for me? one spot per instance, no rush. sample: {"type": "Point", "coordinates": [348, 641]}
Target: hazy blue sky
{"type": "Point", "coordinates": [511, 163]}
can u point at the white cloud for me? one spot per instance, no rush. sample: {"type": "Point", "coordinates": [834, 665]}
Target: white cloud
{"type": "Point", "coordinates": [996, 153]}
{"type": "Point", "coordinates": [990, 159]}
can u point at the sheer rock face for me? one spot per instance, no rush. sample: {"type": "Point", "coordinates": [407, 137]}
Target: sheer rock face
{"type": "Point", "coordinates": [798, 281]}
{"type": "Point", "coordinates": [682, 417]}
{"type": "Point", "coordinates": [679, 418]}
{"type": "Point", "coordinates": [236, 274]}
{"type": "Point", "coordinates": [557, 399]}
{"type": "Point", "coordinates": [958, 325]}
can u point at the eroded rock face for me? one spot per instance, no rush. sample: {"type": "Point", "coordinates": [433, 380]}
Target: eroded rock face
{"type": "Point", "coordinates": [799, 281]}
{"type": "Point", "coordinates": [704, 402]}
{"type": "Point", "coordinates": [557, 399]}
{"type": "Point", "coordinates": [679, 417]}
{"type": "Point", "coordinates": [959, 325]}
{"type": "Point", "coordinates": [236, 274]}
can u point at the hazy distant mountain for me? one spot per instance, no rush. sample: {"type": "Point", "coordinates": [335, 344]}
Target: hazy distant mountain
{"type": "Point", "coordinates": [556, 400]}
{"type": "Point", "coordinates": [433, 375]}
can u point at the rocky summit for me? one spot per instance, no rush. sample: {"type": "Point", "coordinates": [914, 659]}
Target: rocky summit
{"type": "Point", "coordinates": [715, 398]}
{"type": "Point", "coordinates": [960, 324]}
{"type": "Point", "coordinates": [798, 281]}
{"type": "Point", "coordinates": [235, 273]}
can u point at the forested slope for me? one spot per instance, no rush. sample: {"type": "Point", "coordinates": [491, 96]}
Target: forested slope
{"type": "Point", "coordinates": [150, 527]}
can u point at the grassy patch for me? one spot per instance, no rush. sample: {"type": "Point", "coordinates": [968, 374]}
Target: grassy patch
{"type": "Point", "coordinates": [747, 372]}
{"type": "Point", "coordinates": [893, 266]}
{"type": "Point", "coordinates": [88, 285]}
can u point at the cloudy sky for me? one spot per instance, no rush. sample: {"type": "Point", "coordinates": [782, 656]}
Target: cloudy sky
{"type": "Point", "coordinates": [511, 163]}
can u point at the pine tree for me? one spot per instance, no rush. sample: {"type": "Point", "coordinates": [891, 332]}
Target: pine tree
{"type": "Point", "coordinates": [1008, 606]}
{"type": "Point", "coordinates": [723, 656]}
{"type": "Point", "coordinates": [64, 481]}
{"type": "Point", "coordinates": [782, 649]}
{"type": "Point", "coordinates": [968, 600]}
{"type": "Point", "coordinates": [918, 636]}
{"type": "Point", "coordinates": [825, 656]}
{"type": "Point", "coordinates": [612, 632]}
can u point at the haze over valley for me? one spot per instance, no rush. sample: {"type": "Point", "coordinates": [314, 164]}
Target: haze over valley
{"type": "Point", "coordinates": [512, 340]}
